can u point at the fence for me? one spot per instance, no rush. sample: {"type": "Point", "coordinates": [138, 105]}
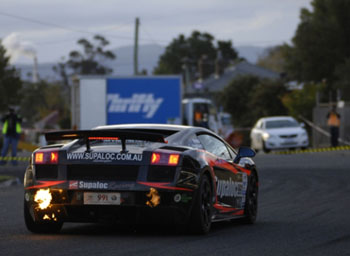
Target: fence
{"type": "Point", "coordinates": [320, 131]}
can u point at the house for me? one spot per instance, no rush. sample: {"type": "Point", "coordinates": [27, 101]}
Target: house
{"type": "Point", "coordinates": [215, 84]}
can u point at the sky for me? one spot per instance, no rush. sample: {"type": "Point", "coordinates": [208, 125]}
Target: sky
{"type": "Point", "coordinates": [50, 29]}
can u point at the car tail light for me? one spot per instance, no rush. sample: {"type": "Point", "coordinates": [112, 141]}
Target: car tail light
{"type": "Point", "coordinates": [46, 157]}
{"type": "Point", "coordinates": [173, 159]}
{"type": "Point", "coordinates": [155, 159]}
{"type": "Point", "coordinates": [165, 159]}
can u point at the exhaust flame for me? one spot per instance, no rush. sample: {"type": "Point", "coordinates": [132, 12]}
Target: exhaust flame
{"type": "Point", "coordinates": [43, 197]}
{"type": "Point", "coordinates": [47, 217]}
{"type": "Point", "coordinates": [154, 198]}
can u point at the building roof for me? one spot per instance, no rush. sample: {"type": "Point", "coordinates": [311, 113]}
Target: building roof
{"type": "Point", "coordinates": [213, 84]}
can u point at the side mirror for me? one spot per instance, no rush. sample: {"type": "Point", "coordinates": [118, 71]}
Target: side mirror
{"type": "Point", "coordinates": [244, 152]}
{"type": "Point", "coordinates": [302, 125]}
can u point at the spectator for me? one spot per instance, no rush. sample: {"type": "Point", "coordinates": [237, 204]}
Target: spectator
{"type": "Point", "coordinates": [11, 131]}
{"type": "Point", "coordinates": [333, 121]}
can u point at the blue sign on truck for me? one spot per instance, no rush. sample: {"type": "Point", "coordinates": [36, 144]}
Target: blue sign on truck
{"type": "Point", "coordinates": [143, 100]}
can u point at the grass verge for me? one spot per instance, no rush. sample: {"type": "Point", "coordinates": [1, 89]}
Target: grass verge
{"type": "Point", "coordinates": [5, 178]}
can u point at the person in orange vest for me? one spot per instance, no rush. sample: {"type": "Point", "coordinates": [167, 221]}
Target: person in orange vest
{"type": "Point", "coordinates": [333, 121]}
{"type": "Point", "coordinates": [11, 131]}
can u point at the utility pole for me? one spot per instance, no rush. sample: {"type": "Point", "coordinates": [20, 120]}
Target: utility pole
{"type": "Point", "coordinates": [137, 23]}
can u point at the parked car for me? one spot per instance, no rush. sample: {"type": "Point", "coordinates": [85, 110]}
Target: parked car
{"type": "Point", "coordinates": [280, 132]}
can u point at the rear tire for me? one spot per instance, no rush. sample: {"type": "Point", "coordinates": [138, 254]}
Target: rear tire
{"type": "Point", "coordinates": [251, 205]}
{"type": "Point", "coordinates": [40, 228]}
{"type": "Point", "coordinates": [202, 211]}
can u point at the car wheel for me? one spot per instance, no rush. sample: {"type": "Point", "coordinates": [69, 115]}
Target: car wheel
{"type": "Point", "coordinates": [203, 208]}
{"type": "Point", "coordinates": [265, 149]}
{"type": "Point", "coordinates": [251, 205]}
{"type": "Point", "coordinates": [41, 228]}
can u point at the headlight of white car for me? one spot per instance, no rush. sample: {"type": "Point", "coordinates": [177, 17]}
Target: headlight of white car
{"type": "Point", "coordinates": [266, 136]}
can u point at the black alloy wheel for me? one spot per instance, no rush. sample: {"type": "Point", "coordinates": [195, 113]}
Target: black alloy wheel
{"type": "Point", "coordinates": [203, 208]}
{"type": "Point", "coordinates": [251, 205]}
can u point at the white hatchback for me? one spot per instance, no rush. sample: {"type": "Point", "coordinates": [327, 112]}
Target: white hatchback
{"type": "Point", "coordinates": [280, 132]}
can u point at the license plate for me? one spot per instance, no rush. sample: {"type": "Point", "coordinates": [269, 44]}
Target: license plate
{"type": "Point", "coordinates": [102, 198]}
{"type": "Point", "coordinates": [289, 142]}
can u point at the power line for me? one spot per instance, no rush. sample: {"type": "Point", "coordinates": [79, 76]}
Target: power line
{"type": "Point", "coordinates": [129, 38]}
{"type": "Point", "coordinates": [143, 28]}
{"type": "Point", "coordinates": [49, 24]}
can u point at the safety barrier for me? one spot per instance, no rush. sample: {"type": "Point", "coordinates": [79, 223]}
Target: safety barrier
{"type": "Point", "coordinates": [311, 150]}
{"type": "Point", "coordinates": [16, 158]}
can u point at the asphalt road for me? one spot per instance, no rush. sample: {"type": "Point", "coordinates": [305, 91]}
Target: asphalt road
{"type": "Point", "coordinates": [303, 210]}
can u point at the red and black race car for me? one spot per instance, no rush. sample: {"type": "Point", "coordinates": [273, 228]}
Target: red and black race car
{"type": "Point", "coordinates": [141, 172]}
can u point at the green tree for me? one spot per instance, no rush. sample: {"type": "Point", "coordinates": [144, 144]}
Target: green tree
{"type": "Point", "coordinates": [248, 98]}
{"type": "Point", "coordinates": [343, 79]}
{"type": "Point", "coordinates": [10, 82]}
{"type": "Point", "coordinates": [89, 62]}
{"type": "Point", "coordinates": [301, 102]}
{"type": "Point", "coordinates": [41, 99]}
{"type": "Point", "coordinates": [321, 43]}
{"type": "Point", "coordinates": [273, 59]}
{"type": "Point", "coordinates": [266, 99]}
{"type": "Point", "coordinates": [198, 52]}
{"type": "Point", "coordinates": [235, 97]}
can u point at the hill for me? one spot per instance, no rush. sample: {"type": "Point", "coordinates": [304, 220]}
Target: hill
{"type": "Point", "coordinates": [123, 65]}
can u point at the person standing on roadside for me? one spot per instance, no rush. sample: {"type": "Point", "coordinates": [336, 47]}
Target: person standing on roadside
{"type": "Point", "coordinates": [333, 121]}
{"type": "Point", "coordinates": [11, 131]}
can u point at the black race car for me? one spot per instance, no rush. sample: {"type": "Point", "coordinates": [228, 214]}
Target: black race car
{"type": "Point", "coordinates": [139, 173]}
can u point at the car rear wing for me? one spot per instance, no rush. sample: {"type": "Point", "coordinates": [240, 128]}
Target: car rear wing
{"type": "Point", "coordinates": [116, 134]}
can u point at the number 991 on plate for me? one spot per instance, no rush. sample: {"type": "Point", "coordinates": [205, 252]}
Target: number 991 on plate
{"type": "Point", "coordinates": [102, 198]}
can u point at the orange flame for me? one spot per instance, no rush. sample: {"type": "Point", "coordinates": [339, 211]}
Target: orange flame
{"type": "Point", "coordinates": [46, 217]}
{"type": "Point", "coordinates": [43, 197]}
{"type": "Point", "coordinates": [154, 198]}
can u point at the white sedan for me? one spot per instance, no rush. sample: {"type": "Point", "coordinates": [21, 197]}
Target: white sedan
{"type": "Point", "coordinates": [280, 132]}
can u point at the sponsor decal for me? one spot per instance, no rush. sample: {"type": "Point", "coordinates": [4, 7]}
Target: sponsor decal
{"type": "Point", "coordinates": [137, 103]}
{"type": "Point", "coordinates": [104, 156]}
{"type": "Point", "coordinates": [93, 185]}
{"type": "Point", "coordinates": [177, 198]}
{"type": "Point", "coordinates": [185, 198]}
{"type": "Point", "coordinates": [73, 184]}
{"type": "Point", "coordinates": [229, 188]}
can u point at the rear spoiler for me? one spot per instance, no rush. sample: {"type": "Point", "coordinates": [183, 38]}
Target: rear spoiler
{"type": "Point", "coordinates": [118, 134]}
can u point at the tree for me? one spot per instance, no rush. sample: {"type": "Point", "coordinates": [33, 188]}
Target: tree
{"type": "Point", "coordinates": [342, 81]}
{"type": "Point", "coordinates": [266, 99]}
{"type": "Point", "coordinates": [41, 99]}
{"type": "Point", "coordinates": [234, 99]}
{"type": "Point", "coordinates": [88, 62]}
{"type": "Point", "coordinates": [321, 43]}
{"type": "Point", "coordinates": [248, 98]}
{"type": "Point", "coordinates": [10, 82]}
{"type": "Point", "coordinates": [301, 102]}
{"type": "Point", "coordinates": [273, 59]}
{"type": "Point", "coordinates": [197, 52]}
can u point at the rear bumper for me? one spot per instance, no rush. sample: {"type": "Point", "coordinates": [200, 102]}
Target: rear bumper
{"type": "Point", "coordinates": [69, 206]}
